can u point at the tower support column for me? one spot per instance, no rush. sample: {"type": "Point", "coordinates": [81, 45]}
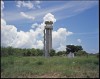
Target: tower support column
{"type": "Point", "coordinates": [48, 38]}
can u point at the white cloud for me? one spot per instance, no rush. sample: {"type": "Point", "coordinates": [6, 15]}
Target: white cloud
{"type": "Point", "coordinates": [79, 40]}
{"type": "Point", "coordinates": [37, 2]}
{"type": "Point", "coordinates": [2, 7]}
{"type": "Point", "coordinates": [27, 16]}
{"type": "Point", "coordinates": [35, 25]}
{"type": "Point", "coordinates": [29, 4]}
{"type": "Point", "coordinates": [19, 3]}
{"type": "Point", "coordinates": [3, 22]}
{"type": "Point", "coordinates": [30, 39]}
{"type": "Point", "coordinates": [8, 33]}
{"type": "Point", "coordinates": [61, 48]}
{"type": "Point", "coordinates": [33, 38]}
{"type": "Point", "coordinates": [70, 8]}
{"type": "Point", "coordinates": [11, 37]}
{"type": "Point", "coordinates": [59, 38]}
{"type": "Point", "coordinates": [39, 44]}
{"type": "Point", "coordinates": [49, 17]}
{"type": "Point", "coordinates": [69, 33]}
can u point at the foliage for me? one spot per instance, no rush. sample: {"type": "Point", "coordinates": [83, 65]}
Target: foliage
{"type": "Point", "coordinates": [39, 62]}
{"type": "Point", "coordinates": [73, 48]}
{"type": "Point", "coordinates": [28, 53]}
{"type": "Point", "coordinates": [52, 52]}
{"type": "Point", "coordinates": [40, 52]}
{"type": "Point", "coordinates": [8, 51]}
{"type": "Point", "coordinates": [59, 53]}
{"type": "Point", "coordinates": [81, 53]}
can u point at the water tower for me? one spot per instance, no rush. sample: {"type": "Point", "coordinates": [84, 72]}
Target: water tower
{"type": "Point", "coordinates": [48, 37]}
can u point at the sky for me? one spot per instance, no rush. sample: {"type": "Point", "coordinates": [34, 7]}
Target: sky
{"type": "Point", "coordinates": [74, 23]}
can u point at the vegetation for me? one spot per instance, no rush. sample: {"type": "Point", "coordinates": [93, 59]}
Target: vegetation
{"type": "Point", "coordinates": [52, 52]}
{"type": "Point", "coordinates": [6, 51]}
{"type": "Point", "coordinates": [60, 53]}
{"type": "Point", "coordinates": [30, 63]}
{"type": "Point", "coordinates": [81, 53]}
{"type": "Point", "coordinates": [77, 50]}
{"type": "Point", "coordinates": [53, 67]}
{"type": "Point", "coordinates": [72, 48]}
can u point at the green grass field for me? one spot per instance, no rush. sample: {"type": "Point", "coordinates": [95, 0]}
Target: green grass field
{"type": "Point", "coordinates": [53, 67]}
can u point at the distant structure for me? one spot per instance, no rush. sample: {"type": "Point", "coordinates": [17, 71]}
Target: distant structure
{"type": "Point", "coordinates": [48, 38]}
{"type": "Point", "coordinates": [70, 54]}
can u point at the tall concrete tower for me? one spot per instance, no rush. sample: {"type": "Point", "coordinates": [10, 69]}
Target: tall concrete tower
{"type": "Point", "coordinates": [48, 37]}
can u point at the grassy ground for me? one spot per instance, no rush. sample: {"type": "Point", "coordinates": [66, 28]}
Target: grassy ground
{"type": "Point", "coordinates": [53, 67]}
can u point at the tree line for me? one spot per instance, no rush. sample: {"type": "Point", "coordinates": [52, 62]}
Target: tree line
{"type": "Point", "coordinates": [77, 50]}
{"type": "Point", "coordinates": [6, 51]}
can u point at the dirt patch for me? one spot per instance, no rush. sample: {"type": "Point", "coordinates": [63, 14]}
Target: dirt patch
{"type": "Point", "coordinates": [49, 75]}
{"type": "Point", "coordinates": [54, 75]}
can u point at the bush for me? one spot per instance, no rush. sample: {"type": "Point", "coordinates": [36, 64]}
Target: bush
{"type": "Point", "coordinates": [59, 53]}
{"type": "Point", "coordinates": [39, 62]}
{"type": "Point", "coordinates": [81, 53]}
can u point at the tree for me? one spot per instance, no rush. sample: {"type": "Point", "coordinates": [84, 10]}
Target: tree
{"type": "Point", "coordinates": [4, 51]}
{"type": "Point", "coordinates": [33, 52]}
{"type": "Point", "coordinates": [52, 52]}
{"type": "Point", "coordinates": [73, 49]}
{"type": "Point", "coordinates": [39, 52]}
{"type": "Point", "coordinates": [24, 52]}
{"type": "Point", "coordinates": [81, 53]}
{"type": "Point", "coordinates": [28, 53]}
{"type": "Point", "coordinates": [59, 53]}
{"type": "Point", "coordinates": [78, 48]}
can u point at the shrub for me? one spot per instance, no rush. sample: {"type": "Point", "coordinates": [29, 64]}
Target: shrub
{"type": "Point", "coordinates": [39, 62]}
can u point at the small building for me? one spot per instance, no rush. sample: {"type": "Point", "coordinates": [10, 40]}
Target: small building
{"type": "Point", "coordinates": [69, 52]}
{"type": "Point", "coordinates": [70, 55]}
